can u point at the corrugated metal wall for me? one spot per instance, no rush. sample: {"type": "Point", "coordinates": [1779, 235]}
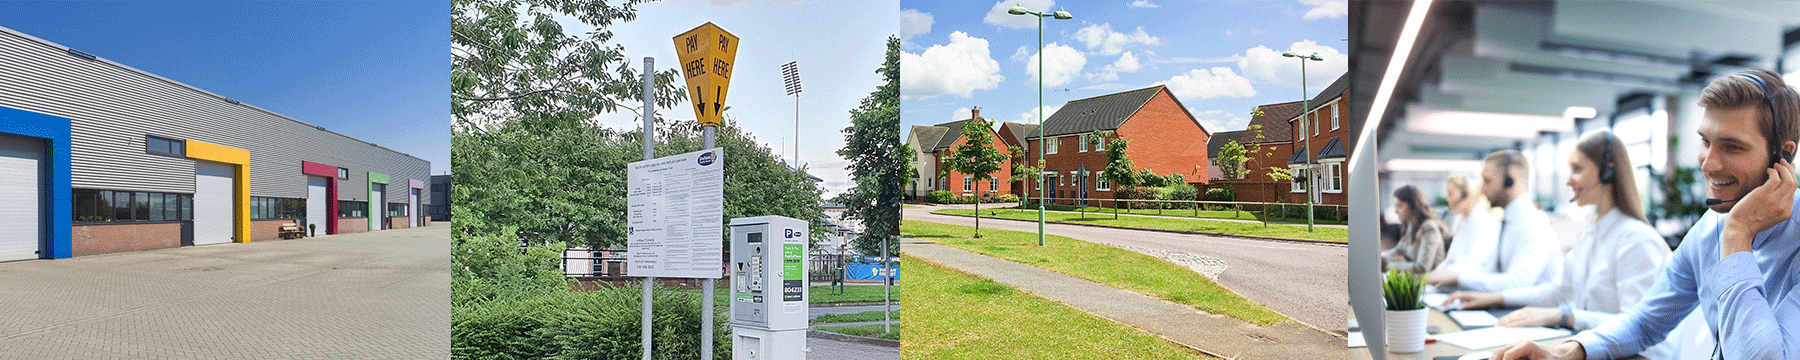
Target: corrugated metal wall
{"type": "Point", "coordinates": [112, 107]}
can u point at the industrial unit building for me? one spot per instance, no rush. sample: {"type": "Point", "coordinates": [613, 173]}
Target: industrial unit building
{"type": "Point", "coordinates": [97, 157]}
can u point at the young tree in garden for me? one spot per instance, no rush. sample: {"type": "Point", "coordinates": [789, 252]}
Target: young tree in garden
{"type": "Point", "coordinates": [879, 160]}
{"type": "Point", "coordinates": [1031, 173]}
{"type": "Point", "coordinates": [975, 157]}
{"type": "Point", "coordinates": [1258, 150]}
{"type": "Point", "coordinates": [1231, 159]}
{"type": "Point", "coordinates": [1119, 171]}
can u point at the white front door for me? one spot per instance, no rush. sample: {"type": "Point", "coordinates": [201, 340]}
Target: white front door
{"type": "Point", "coordinates": [378, 208]}
{"type": "Point", "coordinates": [315, 205]}
{"type": "Point", "coordinates": [213, 194]}
{"type": "Point", "coordinates": [412, 209]}
{"type": "Point", "coordinates": [21, 166]}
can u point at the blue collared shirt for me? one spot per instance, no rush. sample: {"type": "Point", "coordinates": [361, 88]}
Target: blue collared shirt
{"type": "Point", "coordinates": [1748, 298]}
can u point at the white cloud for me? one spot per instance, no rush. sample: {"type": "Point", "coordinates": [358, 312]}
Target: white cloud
{"type": "Point", "coordinates": [1031, 117]}
{"type": "Point", "coordinates": [998, 16]}
{"type": "Point", "coordinates": [1108, 87]}
{"type": "Point", "coordinates": [1111, 42]}
{"type": "Point", "coordinates": [1061, 64]}
{"type": "Point", "coordinates": [958, 68]}
{"type": "Point", "coordinates": [1265, 64]}
{"type": "Point", "coordinates": [913, 23]}
{"type": "Point", "coordinates": [1221, 120]}
{"type": "Point", "coordinates": [1022, 54]}
{"type": "Point", "coordinates": [1207, 84]}
{"type": "Point", "coordinates": [1191, 60]}
{"type": "Point", "coordinates": [1325, 9]}
{"type": "Point", "coordinates": [1143, 4]}
{"type": "Point", "coordinates": [1127, 63]}
{"type": "Point", "coordinates": [960, 114]}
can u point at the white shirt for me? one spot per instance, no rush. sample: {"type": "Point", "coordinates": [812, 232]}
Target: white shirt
{"type": "Point", "coordinates": [1607, 272]}
{"type": "Point", "coordinates": [1477, 240]}
{"type": "Point", "coordinates": [1528, 253]}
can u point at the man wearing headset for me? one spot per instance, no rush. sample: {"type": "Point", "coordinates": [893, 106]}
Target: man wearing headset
{"type": "Point", "coordinates": [1526, 252]}
{"type": "Point", "coordinates": [1738, 262]}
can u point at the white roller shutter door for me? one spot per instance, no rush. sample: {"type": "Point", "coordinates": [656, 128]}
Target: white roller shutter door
{"type": "Point", "coordinates": [213, 192]}
{"type": "Point", "coordinates": [378, 207]}
{"type": "Point", "coordinates": [412, 210]}
{"type": "Point", "coordinates": [315, 205]}
{"type": "Point", "coordinates": [21, 191]}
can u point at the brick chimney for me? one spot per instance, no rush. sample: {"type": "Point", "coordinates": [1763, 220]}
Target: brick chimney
{"type": "Point", "coordinates": [975, 113]}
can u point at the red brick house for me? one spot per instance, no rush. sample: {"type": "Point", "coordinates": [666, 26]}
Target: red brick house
{"type": "Point", "coordinates": [1163, 139]}
{"type": "Point", "coordinates": [1277, 145]}
{"type": "Point", "coordinates": [1326, 124]}
{"type": "Point", "coordinates": [1014, 134]}
{"type": "Point", "coordinates": [935, 142]}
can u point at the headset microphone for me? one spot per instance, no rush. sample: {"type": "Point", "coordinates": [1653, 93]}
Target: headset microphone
{"type": "Point", "coordinates": [1713, 202]}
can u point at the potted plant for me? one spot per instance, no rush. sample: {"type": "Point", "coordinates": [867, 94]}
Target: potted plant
{"type": "Point", "coordinates": [1405, 313]}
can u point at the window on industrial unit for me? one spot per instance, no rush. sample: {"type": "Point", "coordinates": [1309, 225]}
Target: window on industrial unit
{"type": "Point", "coordinates": [396, 209]}
{"type": "Point", "coordinates": [109, 206]}
{"type": "Point", "coordinates": [344, 173]}
{"type": "Point", "coordinates": [164, 146]}
{"type": "Point", "coordinates": [353, 209]}
{"type": "Point", "coordinates": [264, 208]}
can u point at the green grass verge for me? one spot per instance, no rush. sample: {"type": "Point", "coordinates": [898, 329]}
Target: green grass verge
{"type": "Point", "coordinates": [864, 330]}
{"type": "Point", "coordinates": [849, 318]}
{"type": "Point", "coordinates": [852, 294]}
{"type": "Point", "coordinates": [1103, 264]}
{"type": "Point", "coordinates": [1010, 324]}
{"type": "Point", "coordinates": [1227, 227]}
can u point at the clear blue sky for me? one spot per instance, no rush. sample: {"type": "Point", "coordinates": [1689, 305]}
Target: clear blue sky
{"type": "Point", "coordinates": [1220, 58]}
{"type": "Point", "coordinates": [374, 70]}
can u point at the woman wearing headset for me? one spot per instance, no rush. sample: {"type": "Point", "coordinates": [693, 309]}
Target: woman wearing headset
{"type": "Point", "coordinates": [1610, 269]}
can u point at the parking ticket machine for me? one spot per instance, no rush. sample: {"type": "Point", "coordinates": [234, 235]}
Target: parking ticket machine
{"type": "Point", "coordinates": [768, 288]}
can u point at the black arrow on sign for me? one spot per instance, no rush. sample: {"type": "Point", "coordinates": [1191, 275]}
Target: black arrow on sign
{"type": "Point", "coordinates": [699, 106]}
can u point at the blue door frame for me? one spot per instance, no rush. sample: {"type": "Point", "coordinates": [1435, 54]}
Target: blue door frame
{"type": "Point", "coordinates": [57, 211]}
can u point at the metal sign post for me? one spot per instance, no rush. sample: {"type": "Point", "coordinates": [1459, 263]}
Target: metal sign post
{"type": "Point", "coordinates": [649, 152]}
{"type": "Point", "coordinates": [707, 53]}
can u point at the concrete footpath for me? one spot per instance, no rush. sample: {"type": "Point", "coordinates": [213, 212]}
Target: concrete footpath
{"type": "Point", "coordinates": [379, 295]}
{"type": "Point", "coordinates": [1215, 335]}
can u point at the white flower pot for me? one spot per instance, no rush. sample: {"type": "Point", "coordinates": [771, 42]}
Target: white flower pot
{"type": "Point", "coordinates": [1406, 331]}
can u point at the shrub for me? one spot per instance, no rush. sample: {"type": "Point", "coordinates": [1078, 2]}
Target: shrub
{"type": "Point", "coordinates": [1181, 192]}
{"type": "Point", "coordinates": [1008, 198]}
{"type": "Point", "coordinates": [1220, 194]}
{"type": "Point", "coordinates": [941, 197]}
{"type": "Point", "coordinates": [566, 324]}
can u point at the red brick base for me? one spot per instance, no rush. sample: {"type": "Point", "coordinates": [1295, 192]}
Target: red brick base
{"type": "Point", "coordinates": [353, 225]}
{"type": "Point", "coordinates": [398, 222]}
{"type": "Point", "coordinates": [111, 238]}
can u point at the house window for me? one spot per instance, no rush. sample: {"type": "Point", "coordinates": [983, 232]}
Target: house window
{"type": "Point", "coordinates": [1314, 118]}
{"type": "Point", "coordinates": [968, 184]}
{"type": "Point", "coordinates": [1081, 143]}
{"type": "Point", "coordinates": [1335, 180]}
{"type": "Point", "coordinates": [994, 185]}
{"type": "Point", "coordinates": [344, 173]}
{"type": "Point", "coordinates": [1334, 117]}
{"type": "Point", "coordinates": [1100, 145]}
{"type": "Point", "coordinates": [1050, 145]}
{"type": "Point", "coordinates": [1100, 182]}
{"type": "Point", "coordinates": [164, 146]}
{"type": "Point", "coordinates": [1299, 179]}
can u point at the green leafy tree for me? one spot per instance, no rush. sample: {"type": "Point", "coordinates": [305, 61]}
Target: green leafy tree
{"type": "Point", "coordinates": [1119, 168]}
{"type": "Point", "coordinates": [1259, 151]}
{"type": "Point", "coordinates": [879, 161]}
{"type": "Point", "coordinates": [1231, 159]}
{"type": "Point", "coordinates": [511, 61]}
{"type": "Point", "coordinates": [976, 157]}
{"type": "Point", "coordinates": [1031, 173]}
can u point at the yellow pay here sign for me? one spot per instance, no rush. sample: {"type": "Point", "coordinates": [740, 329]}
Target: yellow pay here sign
{"type": "Point", "coordinates": [706, 54]}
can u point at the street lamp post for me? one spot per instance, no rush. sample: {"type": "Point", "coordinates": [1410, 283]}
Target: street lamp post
{"type": "Point", "coordinates": [1312, 187]}
{"type": "Point", "coordinates": [1059, 15]}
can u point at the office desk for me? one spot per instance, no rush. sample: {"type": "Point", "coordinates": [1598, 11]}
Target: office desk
{"type": "Point", "coordinates": [1438, 320]}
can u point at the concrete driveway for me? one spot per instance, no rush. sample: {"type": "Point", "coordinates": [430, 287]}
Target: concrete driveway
{"type": "Point", "coordinates": [380, 295]}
